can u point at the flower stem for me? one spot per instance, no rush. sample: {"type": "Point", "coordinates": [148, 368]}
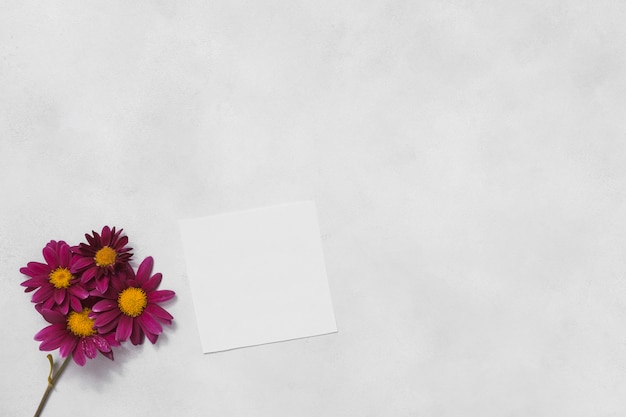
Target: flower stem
{"type": "Point", "coordinates": [51, 381]}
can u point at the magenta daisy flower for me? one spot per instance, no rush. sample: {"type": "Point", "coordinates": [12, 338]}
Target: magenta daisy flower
{"type": "Point", "coordinates": [74, 334]}
{"type": "Point", "coordinates": [130, 307]}
{"type": "Point", "coordinates": [103, 256]}
{"type": "Point", "coordinates": [57, 287]}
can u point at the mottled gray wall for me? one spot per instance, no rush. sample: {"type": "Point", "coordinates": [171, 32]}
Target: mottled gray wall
{"type": "Point", "coordinates": [467, 160]}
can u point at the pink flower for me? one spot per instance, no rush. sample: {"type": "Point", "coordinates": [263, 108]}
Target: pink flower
{"type": "Point", "coordinates": [74, 334]}
{"type": "Point", "coordinates": [103, 256]}
{"type": "Point", "coordinates": [130, 307]}
{"type": "Point", "coordinates": [57, 286]}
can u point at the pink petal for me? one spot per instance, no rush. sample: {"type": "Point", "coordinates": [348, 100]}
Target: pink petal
{"type": "Point", "coordinates": [124, 328]}
{"type": "Point", "coordinates": [160, 296]}
{"type": "Point", "coordinates": [110, 338]}
{"type": "Point", "coordinates": [42, 294]}
{"type": "Point", "coordinates": [122, 241]}
{"type": "Point", "coordinates": [102, 319]}
{"type": "Point", "coordinates": [158, 312]}
{"type": "Point", "coordinates": [79, 356]}
{"type": "Point", "coordinates": [108, 354]}
{"type": "Point", "coordinates": [39, 307]}
{"type": "Point", "coordinates": [53, 342]}
{"type": "Point", "coordinates": [79, 263]}
{"type": "Point", "coordinates": [152, 337]}
{"type": "Point", "coordinates": [149, 324]}
{"type": "Point", "coordinates": [89, 347]}
{"type": "Point", "coordinates": [75, 304]}
{"type": "Point", "coordinates": [153, 283]}
{"type": "Point", "coordinates": [34, 282]}
{"type": "Point", "coordinates": [50, 256]}
{"type": "Point", "coordinates": [108, 328]}
{"type": "Point", "coordinates": [106, 236]}
{"type": "Point", "coordinates": [144, 270]}
{"type": "Point", "coordinates": [93, 241]}
{"type": "Point", "coordinates": [88, 274]}
{"type": "Point", "coordinates": [53, 316]}
{"type": "Point", "coordinates": [68, 345]}
{"type": "Point", "coordinates": [118, 281]}
{"type": "Point", "coordinates": [104, 305]}
{"type": "Point", "coordinates": [137, 337]}
{"type": "Point", "coordinates": [48, 304]}
{"type": "Point", "coordinates": [50, 332]}
{"type": "Point", "coordinates": [102, 283]}
{"type": "Point", "coordinates": [36, 269]}
{"type": "Point", "coordinates": [101, 344]}
{"type": "Point", "coordinates": [65, 256]}
{"type": "Point", "coordinates": [64, 307]}
{"type": "Point", "coordinates": [78, 291]}
{"type": "Point", "coordinates": [59, 295]}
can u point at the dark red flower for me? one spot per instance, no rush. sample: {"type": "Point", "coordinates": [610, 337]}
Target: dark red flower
{"type": "Point", "coordinates": [130, 306]}
{"type": "Point", "coordinates": [57, 287]}
{"type": "Point", "coordinates": [104, 255]}
{"type": "Point", "coordinates": [74, 334]}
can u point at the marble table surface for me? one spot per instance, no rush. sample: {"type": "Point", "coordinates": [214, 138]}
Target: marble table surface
{"type": "Point", "coordinates": [467, 160]}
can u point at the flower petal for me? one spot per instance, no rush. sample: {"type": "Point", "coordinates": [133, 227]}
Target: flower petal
{"type": "Point", "coordinates": [50, 255]}
{"type": "Point", "coordinates": [108, 354]}
{"type": "Point", "coordinates": [149, 324]}
{"type": "Point", "coordinates": [106, 236]}
{"type": "Point", "coordinates": [117, 281]}
{"type": "Point", "coordinates": [50, 332]}
{"type": "Point", "coordinates": [59, 295]}
{"type": "Point", "coordinates": [137, 337]}
{"type": "Point", "coordinates": [53, 341]}
{"type": "Point", "coordinates": [64, 307]}
{"type": "Point", "coordinates": [108, 328]}
{"type": "Point", "coordinates": [104, 305]}
{"type": "Point", "coordinates": [144, 270]}
{"type": "Point", "coordinates": [124, 328]}
{"type": "Point", "coordinates": [79, 356]}
{"type": "Point", "coordinates": [152, 337]}
{"type": "Point", "coordinates": [75, 303]}
{"type": "Point", "coordinates": [160, 296]}
{"type": "Point", "coordinates": [79, 291]}
{"type": "Point", "coordinates": [65, 256]}
{"type": "Point", "coordinates": [68, 345]}
{"type": "Point", "coordinates": [122, 241]}
{"type": "Point", "coordinates": [153, 283]}
{"type": "Point", "coordinates": [36, 269]}
{"type": "Point", "coordinates": [79, 263]}
{"type": "Point", "coordinates": [102, 319]}
{"type": "Point", "coordinates": [54, 317]}
{"type": "Point", "coordinates": [102, 283]}
{"type": "Point", "coordinates": [101, 344]}
{"type": "Point", "coordinates": [34, 282]}
{"type": "Point", "coordinates": [159, 312]}
{"type": "Point", "coordinates": [110, 338]}
{"type": "Point", "coordinates": [42, 294]}
{"type": "Point", "coordinates": [88, 274]}
{"type": "Point", "coordinates": [88, 346]}
{"type": "Point", "coordinates": [93, 240]}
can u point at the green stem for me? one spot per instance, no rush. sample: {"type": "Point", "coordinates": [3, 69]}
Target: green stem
{"type": "Point", "coordinates": [51, 381]}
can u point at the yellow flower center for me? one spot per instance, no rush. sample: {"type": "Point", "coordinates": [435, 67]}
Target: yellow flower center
{"type": "Point", "coordinates": [105, 256]}
{"type": "Point", "coordinates": [80, 324]}
{"type": "Point", "coordinates": [132, 301]}
{"type": "Point", "coordinates": [60, 278]}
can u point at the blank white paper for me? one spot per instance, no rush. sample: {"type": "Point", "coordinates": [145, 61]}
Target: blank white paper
{"type": "Point", "coordinates": [257, 276]}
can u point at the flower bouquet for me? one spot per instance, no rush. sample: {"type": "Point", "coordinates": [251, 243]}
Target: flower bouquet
{"type": "Point", "coordinates": [94, 300]}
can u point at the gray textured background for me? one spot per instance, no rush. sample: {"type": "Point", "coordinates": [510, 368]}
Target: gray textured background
{"type": "Point", "coordinates": [467, 160]}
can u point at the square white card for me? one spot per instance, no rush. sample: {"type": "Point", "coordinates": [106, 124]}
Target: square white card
{"type": "Point", "coordinates": [257, 276]}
